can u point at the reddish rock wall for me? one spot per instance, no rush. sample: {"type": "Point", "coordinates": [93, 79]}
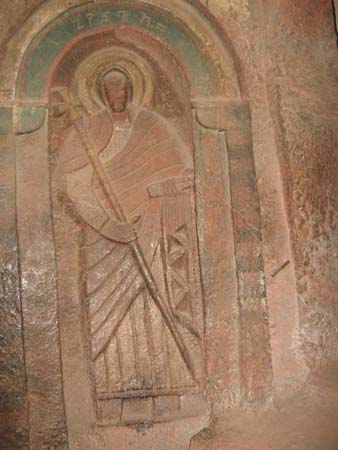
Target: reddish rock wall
{"type": "Point", "coordinates": [289, 63]}
{"type": "Point", "coordinates": [289, 50]}
{"type": "Point", "coordinates": [302, 71]}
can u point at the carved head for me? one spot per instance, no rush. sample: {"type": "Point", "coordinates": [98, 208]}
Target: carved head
{"type": "Point", "coordinates": [116, 90]}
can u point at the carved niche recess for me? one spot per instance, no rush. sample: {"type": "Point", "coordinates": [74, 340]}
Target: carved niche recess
{"type": "Point", "coordinates": [135, 113]}
{"type": "Point", "coordinates": [125, 227]}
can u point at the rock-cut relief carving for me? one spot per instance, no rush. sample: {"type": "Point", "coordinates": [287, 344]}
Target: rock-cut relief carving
{"type": "Point", "coordinates": [128, 179]}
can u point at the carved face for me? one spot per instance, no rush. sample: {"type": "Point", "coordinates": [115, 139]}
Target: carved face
{"type": "Point", "coordinates": [115, 88]}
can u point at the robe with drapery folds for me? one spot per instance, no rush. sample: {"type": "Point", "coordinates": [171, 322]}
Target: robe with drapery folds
{"type": "Point", "coordinates": [133, 352]}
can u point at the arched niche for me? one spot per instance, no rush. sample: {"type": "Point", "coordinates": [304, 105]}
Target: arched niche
{"type": "Point", "coordinates": [215, 111]}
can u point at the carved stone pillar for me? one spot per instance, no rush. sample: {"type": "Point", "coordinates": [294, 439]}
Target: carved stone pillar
{"type": "Point", "coordinates": [36, 289]}
{"type": "Point", "coordinates": [225, 128]}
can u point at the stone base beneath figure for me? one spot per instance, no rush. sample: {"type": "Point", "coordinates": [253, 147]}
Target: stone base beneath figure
{"type": "Point", "coordinates": [150, 410]}
{"type": "Point", "coordinates": [175, 435]}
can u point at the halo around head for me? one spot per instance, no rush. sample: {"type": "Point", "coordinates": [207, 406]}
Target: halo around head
{"type": "Point", "coordinates": [92, 70]}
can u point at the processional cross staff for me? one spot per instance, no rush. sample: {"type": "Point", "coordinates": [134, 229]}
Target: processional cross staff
{"type": "Point", "coordinates": [115, 210]}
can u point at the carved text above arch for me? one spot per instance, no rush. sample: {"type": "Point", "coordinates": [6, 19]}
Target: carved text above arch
{"type": "Point", "coordinates": [206, 69]}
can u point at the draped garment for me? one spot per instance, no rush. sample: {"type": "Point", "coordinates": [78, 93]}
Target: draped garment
{"type": "Point", "coordinates": [132, 350]}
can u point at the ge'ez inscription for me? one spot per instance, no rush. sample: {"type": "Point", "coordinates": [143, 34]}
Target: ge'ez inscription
{"type": "Point", "coordinates": [105, 17]}
{"type": "Point", "coordinates": [99, 18]}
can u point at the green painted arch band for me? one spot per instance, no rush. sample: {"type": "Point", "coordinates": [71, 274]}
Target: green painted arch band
{"type": "Point", "coordinates": [49, 44]}
{"type": "Point", "coordinates": [29, 119]}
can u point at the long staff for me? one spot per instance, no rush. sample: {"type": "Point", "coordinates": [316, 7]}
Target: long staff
{"type": "Point", "coordinates": [115, 210]}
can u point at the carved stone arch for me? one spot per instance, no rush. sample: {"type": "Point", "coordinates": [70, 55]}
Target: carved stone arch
{"type": "Point", "coordinates": [201, 25]}
{"type": "Point", "coordinates": [227, 203]}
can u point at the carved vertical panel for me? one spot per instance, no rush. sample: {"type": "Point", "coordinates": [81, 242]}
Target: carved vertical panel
{"type": "Point", "coordinates": [218, 264]}
{"type": "Point", "coordinates": [14, 426]}
{"type": "Point", "coordinates": [38, 285]}
{"type": "Point", "coordinates": [256, 367]}
{"type": "Point", "coordinates": [254, 336]}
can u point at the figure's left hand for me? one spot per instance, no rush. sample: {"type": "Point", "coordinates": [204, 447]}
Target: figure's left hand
{"type": "Point", "coordinates": [122, 232]}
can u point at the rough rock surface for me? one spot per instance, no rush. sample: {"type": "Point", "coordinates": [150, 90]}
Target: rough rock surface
{"type": "Point", "coordinates": [287, 61]}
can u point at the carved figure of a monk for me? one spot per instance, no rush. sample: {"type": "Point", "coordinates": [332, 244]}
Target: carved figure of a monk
{"type": "Point", "coordinates": [132, 350]}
